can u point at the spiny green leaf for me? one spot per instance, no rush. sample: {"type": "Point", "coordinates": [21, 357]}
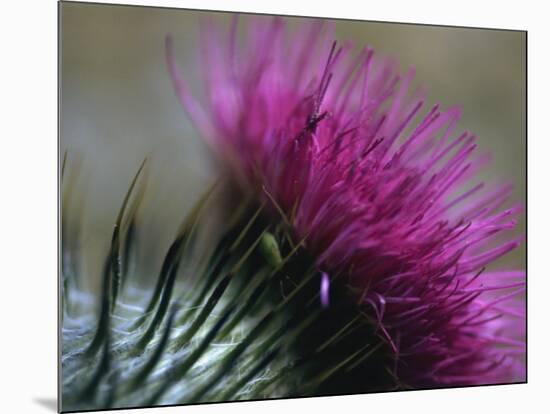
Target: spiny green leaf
{"type": "Point", "coordinates": [208, 307]}
{"type": "Point", "coordinates": [181, 369]}
{"type": "Point", "coordinates": [116, 262]}
{"type": "Point", "coordinates": [146, 370]}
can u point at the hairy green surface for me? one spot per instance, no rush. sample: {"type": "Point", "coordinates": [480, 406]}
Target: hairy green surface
{"type": "Point", "coordinates": [238, 319]}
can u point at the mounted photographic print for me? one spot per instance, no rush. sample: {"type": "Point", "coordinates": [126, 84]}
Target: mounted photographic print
{"type": "Point", "coordinates": [259, 207]}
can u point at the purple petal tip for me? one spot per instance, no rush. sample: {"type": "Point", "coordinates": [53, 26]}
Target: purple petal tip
{"type": "Point", "coordinates": [325, 285]}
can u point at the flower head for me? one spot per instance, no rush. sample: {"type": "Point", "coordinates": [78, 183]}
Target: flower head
{"type": "Point", "coordinates": [337, 141]}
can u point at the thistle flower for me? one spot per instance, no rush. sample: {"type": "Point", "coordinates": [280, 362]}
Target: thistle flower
{"type": "Point", "coordinates": [337, 143]}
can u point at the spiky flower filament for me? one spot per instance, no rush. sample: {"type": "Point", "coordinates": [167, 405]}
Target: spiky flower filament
{"type": "Point", "coordinates": [333, 141]}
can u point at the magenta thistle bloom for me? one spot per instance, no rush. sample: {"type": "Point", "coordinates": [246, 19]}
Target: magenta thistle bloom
{"type": "Point", "coordinates": [337, 140]}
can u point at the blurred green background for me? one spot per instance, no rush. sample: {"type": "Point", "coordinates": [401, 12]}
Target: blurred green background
{"type": "Point", "coordinates": [118, 106]}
